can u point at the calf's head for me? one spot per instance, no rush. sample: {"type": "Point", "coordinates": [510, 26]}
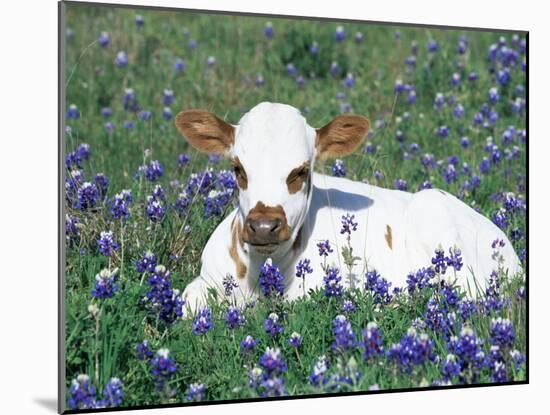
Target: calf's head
{"type": "Point", "coordinates": [272, 150]}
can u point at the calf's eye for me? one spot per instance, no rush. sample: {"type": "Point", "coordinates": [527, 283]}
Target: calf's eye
{"type": "Point", "coordinates": [297, 177]}
{"type": "Point", "coordinates": [240, 173]}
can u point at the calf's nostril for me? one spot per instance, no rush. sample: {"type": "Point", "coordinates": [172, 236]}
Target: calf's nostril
{"type": "Point", "coordinates": [275, 225]}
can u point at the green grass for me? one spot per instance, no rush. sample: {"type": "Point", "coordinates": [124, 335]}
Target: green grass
{"type": "Point", "coordinates": [105, 348]}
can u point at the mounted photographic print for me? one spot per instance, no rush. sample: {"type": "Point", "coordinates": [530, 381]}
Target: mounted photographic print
{"type": "Point", "coordinates": [275, 207]}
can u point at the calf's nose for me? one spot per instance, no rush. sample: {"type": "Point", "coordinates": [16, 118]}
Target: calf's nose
{"type": "Point", "coordinates": [263, 231]}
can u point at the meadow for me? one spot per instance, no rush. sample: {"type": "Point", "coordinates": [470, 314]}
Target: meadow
{"type": "Point", "coordinates": [447, 110]}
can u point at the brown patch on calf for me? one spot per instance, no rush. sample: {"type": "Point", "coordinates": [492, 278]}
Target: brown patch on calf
{"type": "Point", "coordinates": [233, 253]}
{"type": "Point", "coordinates": [240, 173]}
{"type": "Point", "coordinates": [297, 177]}
{"type": "Point", "coordinates": [261, 211]}
{"type": "Point", "coordinates": [388, 236]}
{"type": "Point", "coordinates": [206, 132]}
{"type": "Point", "coordinates": [341, 136]}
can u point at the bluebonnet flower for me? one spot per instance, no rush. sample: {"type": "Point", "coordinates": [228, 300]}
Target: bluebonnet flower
{"type": "Point", "coordinates": [87, 196]}
{"type": "Point", "coordinates": [106, 243]}
{"type": "Point", "coordinates": [121, 59]}
{"type": "Point", "coordinates": [317, 376]}
{"type": "Point", "coordinates": [120, 208]}
{"type": "Point", "coordinates": [349, 80]}
{"type": "Point", "coordinates": [109, 127]}
{"type": "Point", "coordinates": [348, 306]}
{"type": "Point", "coordinates": [102, 183]}
{"type": "Point", "coordinates": [179, 65]}
{"type": "Point", "coordinates": [303, 267]}
{"type": "Point", "coordinates": [147, 262]}
{"type": "Point", "coordinates": [260, 81]}
{"type": "Point", "coordinates": [211, 61]}
{"type": "Point", "coordinates": [493, 96]}
{"type": "Point", "coordinates": [215, 202]}
{"type": "Point", "coordinates": [104, 39]}
{"type": "Point", "coordinates": [502, 333]}
{"type": "Point", "coordinates": [413, 349]}
{"type": "Point", "coordinates": [501, 219]}
{"type": "Point", "coordinates": [145, 115]}
{"type": "Point", "coordinates": [372, 341]}
{"type": "Point", "coordinates": [129, 125]}
{"type": "Point", "coordinates": [338, 168]}
{"type": "Point", "coordinates": [333, 282]}
{"type": "Point", "coordinates": [401, 184]}
{"type": "Point", "coordinates": [455, 79]}
{"type": "Point", "coordinates": [196, 392]}
{"type": "Point", "coordinates": [473, 76]}
{"type": "Point", "coordinates": [467, 308]}
{"type": "Point", "coordinates": [335, 71]}
{"type": "Point", "coordinates": [73, 112]}
{"type": "Point", "coordinates": [143, 351]}
{"type": "Point", "coordinates": [411, 97]}
{"type": "Point", "coordinates": [229, 284]}
{"type": "Point", "coordinates": [162, 368]}
{"type": "Point", "coordinates": [113, 394]}
{"type": "Point", "coordinates": [348, 224]}
{"type": "Point", "coordinates": [167, 113]}
{"type": "Point", "coordinates": [455, 259]}
{"type": "Point", "coordinates": [439, 261]}
{"type": "Point", "coordinates": [439, 101]}
{"type": "Point", "coordinates": [378, 286]}
{"type": "Point", "coordinates": [359, 37]}
{"type": "Point", "coordinates": [464, 142]}
{"type": "Point", "coordinates": [139, 20]}
{"type": "Point", "coordinates": [71, 227]}
{"type": "Point", "coordinates": [314, 48]}
{"type": "Point", "coordinates": [450, 368]}
{"type": "Point", "coordinates": [248, 343]}
{"type": "Point", "coordinates": [183, 160]}
{"type": "Point", "coordinates": [161, 298]}
{"type": "Point", "coordinates": [344, 337]}
{"type": "Point", "coordinates": [420, 279]}
{"type": "Point", "coordinates": [81, 393]}
{"type": "Point", "coordinates": [271, 280]}
{"type": "Point", "coordinates": [168, 97]}
{"type": "Point", "coordinates": [192, 44]}
{"type": "Point", "coordinates": [268, 30]}
{"type": "Point", "coordinates": [105, 284]}
{"type": "Point", "coordinates": [450, 174]}
{"type": "Point", "coordinates": [273, 386]}
{"type": "Point", "coordinates": [182, 202]}
{"type": "Point", "coordinates": [458, 111]}
{"type": "Point", "coordinates": [291, 69]}
{"type": "Point", "coordinates": [155, 209]}
{"type": "Point", "coordinates": [272, 362]}
{"type": "Point", "coordinates": [517, 358]}
{"type": "Point", "coordinates": [410, 61]}
{"type": "Point", "coordinates": [340, 33]}
{"type": "Point", "coordinates": [378, 175]}
{"type": "Point", "coordinates": [154, 171]}
{"type": "Point", "coordinates": [443, 131]}
{"type": "Point", "coordinates": [272, 326]}
{"type": "Point", "coordinates": [295, 340]}
{"type": "Point", "coordinates": [324, 248]}
{"type": "Point", "coordinates": [203, 321]}
{"type": "Point", "coordinates": [468, 348]}
{"type": "Point", "coordinates": [433, 46]}
{"type": "Point", "coordinates": [425, 185]}
{"type": "Point", "coordinates": [106, 112]}
{"type": "Point", "coordinates": [234, 317]}
{"type": "Point", "coordinates": [255, 377]}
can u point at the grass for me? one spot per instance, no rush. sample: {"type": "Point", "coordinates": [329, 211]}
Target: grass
{"type": "Point", "coordinates": [103, 345]}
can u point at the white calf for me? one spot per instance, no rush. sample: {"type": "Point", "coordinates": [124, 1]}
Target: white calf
{"type": "Point", "coordinates": [285, 209]}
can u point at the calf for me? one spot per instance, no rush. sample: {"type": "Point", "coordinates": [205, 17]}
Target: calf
{"type": "Point", "coordinates": [285, 209]}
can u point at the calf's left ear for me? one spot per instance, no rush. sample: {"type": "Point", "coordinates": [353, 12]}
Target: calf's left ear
{"type": "Point", "coordinates": [341, 136]}
{"type": "Point", "coordinates": [206, 132]}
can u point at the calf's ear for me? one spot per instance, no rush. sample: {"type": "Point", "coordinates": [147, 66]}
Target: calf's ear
{"type": "Point", "coordinates": [206, 132]}
{"type": "Point", "coordinates": [341, 136]}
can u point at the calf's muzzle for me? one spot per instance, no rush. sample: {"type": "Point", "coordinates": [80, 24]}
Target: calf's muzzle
{"type": "Point", "coordinates": [266, 225]}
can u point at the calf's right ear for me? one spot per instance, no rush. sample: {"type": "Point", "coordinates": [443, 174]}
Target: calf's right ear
{"type": "Point", "coordinates": [206, 132]}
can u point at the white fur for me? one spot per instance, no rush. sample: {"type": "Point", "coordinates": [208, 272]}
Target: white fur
{"type": "Point", "coordinates": [273, 139]}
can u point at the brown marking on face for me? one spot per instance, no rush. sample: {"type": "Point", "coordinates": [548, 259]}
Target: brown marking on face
{"type": "Point", "coordinates": [262, 212]}
{"type": "Point", "coordinates": [341, 136]}
{"type": "Point", "coordinates": [206, 132]}
{"type": "Point", "coordinates": [240, 173]}
{"type": "Point", "coordinates": [388, 236]}
{"type": "Point", "coordinates": [235, 238]}
{"type": "Point", "coordinates": [297, 177]}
